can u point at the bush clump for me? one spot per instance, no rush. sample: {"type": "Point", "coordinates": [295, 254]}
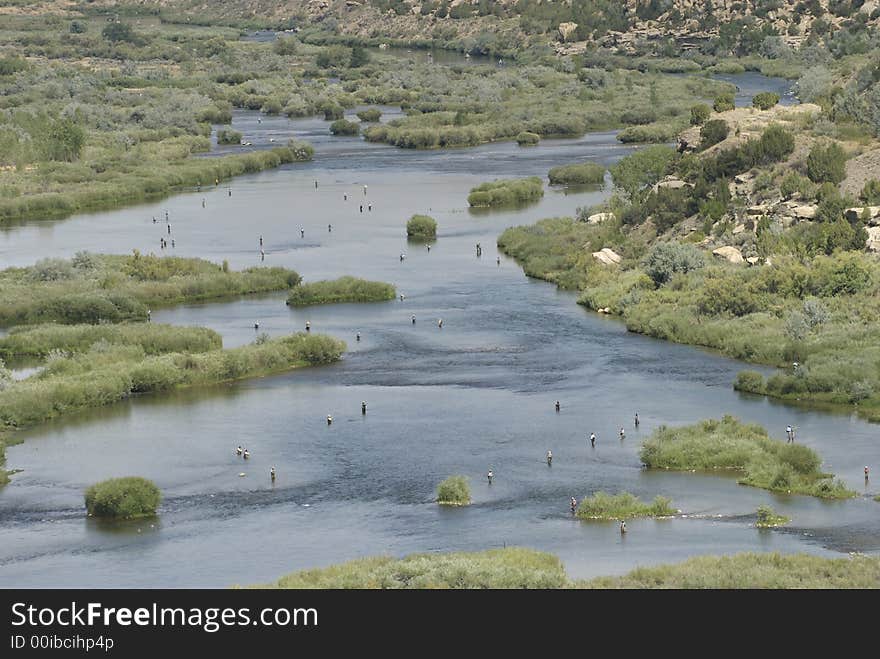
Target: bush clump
{"type": "Point", "coordinates": [421, 226]}
{"type": "Point", "coordinates": [454, 491]}
{"type": "Point", "coordinates": [370, 115]}
{"type": "Point", "coordinates": [506, 192]}
{"type": "Point", "coordinates": [123, 498]}
{"type": "Point", "coordinates": [765, 100]}
{"type": "Point", "coordinates": [723, 102]}
{"type": "Point", "coordinates": [344, 289]}
{"type": "Point", "coordinates": [228, 136]}
{"type": "Point", "coordinates": [767, 518]}
{"type": "Point", "coordinates": [577, 174]}
{"type": "Point", "coordinates": [826, 163]}
{"type": "Point", "coordinates": [699, 114]}
{"type": "Point", "coordinates": [712, 132]}
{"type": "Point", "coordinates": [526, 138]}
{"type": "Point", "coordinates": [666, 259]}
{"type": "Point", "coordinates": [345, 127]}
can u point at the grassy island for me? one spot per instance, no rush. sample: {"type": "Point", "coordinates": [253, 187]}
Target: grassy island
{"type": "Point", "coordinates": [90, 288]}
{"type": "Point", "coordinates": [344, 289]}
{"type": "Point", "coordinates": [421, 227]}
{"type": "Point", "coordinates": [506, 192]}
{"type": "Point", "coordinates": [454, 491]}
{"type": "Point", "coordinates": [742, 448]}
{"type": "Point", "coordinates": [577, 174]}
{"type": "Point", "coordinates": [109, 373]}
{"type": "Point", "coordinates": [606, 506]}
{"type": "Point", "coordinates": [123, 498]}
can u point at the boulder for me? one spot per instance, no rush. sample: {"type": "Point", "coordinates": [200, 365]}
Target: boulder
{"type": "Point", "coordinates": [753, 260]}
{"type": "Point", "coordinates": [598, 218]}
{"type": "Point", "coordinates": [607, 256]}
{"type": "Point", "coordinates": [728, 252]}
{"type": "Point", "coordinates": [673, 184]}
{"type": "Point", "coordinates": [739, 228]}
{"type": "Point", "coordinates": [805, 212]}
{"type": "Point", "coordinates": [760, 209]}
{"type": "Point", "coordinates": [873, 241]}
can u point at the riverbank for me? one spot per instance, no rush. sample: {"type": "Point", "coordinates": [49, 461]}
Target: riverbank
{"type": "Point", "coordinates": [147, 177]}
{"type": "Point", "coordinates": [525, 568]}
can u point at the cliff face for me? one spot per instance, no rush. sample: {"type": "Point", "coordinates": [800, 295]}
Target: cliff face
{"type": "Point", "coordinates": [564, 23]}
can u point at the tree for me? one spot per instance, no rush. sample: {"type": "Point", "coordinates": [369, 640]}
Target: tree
{"type": "Point", "coordinates": [776, 143]}
{"type": "Point", "coordinates": [117, 32]}
{"type": "Point", "coordinates": [871, 192]}
{"type": "Point", "coordinates": [78, 27]}
{"type": "Point", "coordinates": [359, 57]}
{"type": "Point", "coordinates": [826, 163]}
{"type": "Point", "coordinates": [642, 169]}
{"type": "Point", "coordinates": [64, 140]}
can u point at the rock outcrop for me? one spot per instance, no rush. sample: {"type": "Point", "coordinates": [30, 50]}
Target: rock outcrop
{"type": "Point", "coordinates": [607, 256]}
{"type": "Point", "coordinates": [729, 253]}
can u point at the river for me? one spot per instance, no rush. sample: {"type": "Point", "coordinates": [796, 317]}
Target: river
{"type": "Point", "coordinates": [477, 394]}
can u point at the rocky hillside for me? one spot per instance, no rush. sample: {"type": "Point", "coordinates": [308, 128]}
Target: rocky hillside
{"type": "Point", "coordinates": [735, 26]}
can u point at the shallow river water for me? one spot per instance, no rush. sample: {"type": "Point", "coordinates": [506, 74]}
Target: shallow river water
{"type": "Point", "coordinates": [477, 394]}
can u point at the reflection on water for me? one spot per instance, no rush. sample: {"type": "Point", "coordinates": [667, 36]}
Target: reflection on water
{"type": "Point", "coordinates": [474, 395]}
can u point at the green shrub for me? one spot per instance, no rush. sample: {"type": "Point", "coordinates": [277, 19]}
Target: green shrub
{"type": "Point", "coordinates": [454, 491]}
{"type": "Point", "coordinates": [421, 226]}
{"type": "Point", "coordinates": [749, 381]}
{"type": "Point", "coordinates": [577, 174]}
{"type": "Point", "coordinates": [507, 192]}
{"type": "Point", "coordinates": [713, 132]}
{"type": "Point", "coordinates": [123, 498]}
{"type": "Point", "coordinates": [345, 127]}
{"type": "Point", "coordinates": [525, 138]}
{"type": "Point", "coordinates": [870, 194]}
{"type": "Point", "coordinates": [228, 136]}
{"type": "Point", "coordinates": [765, 100]}
{"type": "Point", "coordinates": [344, 289]}
{"type": "Point", "coordinates": [622, 506]}
{"type": "Point", "coordinates": [699, 114]}
{"type": "Point", "coordinates": [640, 170]}
{"type": "Point", "coordinates": [826, 162]}
{"type": "Point", "coordinates": [723, 102]}
{"type": "Point", "coordinates": [666, 259]}
{"type": "Point", "coordinates": [370, 115]}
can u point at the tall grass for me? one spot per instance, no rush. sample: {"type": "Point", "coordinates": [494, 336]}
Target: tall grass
{"type": "Point", "coordinates": [108, 374]}
{"type": "Point", "coordinates": [506, 192]}
{"type": "Point", "coordinates": [513, 567]}
{"type": "Point", "coordinates": [622, 506]}
{"type": "Point", "coordinates": [153, 338]}
{"type": "Point", "coordinates": [344, 289]}
{"type": "Point", "coordinates": [92, 288]}
{"type": "Point", "coordinates": [751, 570]}
{"type": "Point", "coordinates": [731, 445]}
